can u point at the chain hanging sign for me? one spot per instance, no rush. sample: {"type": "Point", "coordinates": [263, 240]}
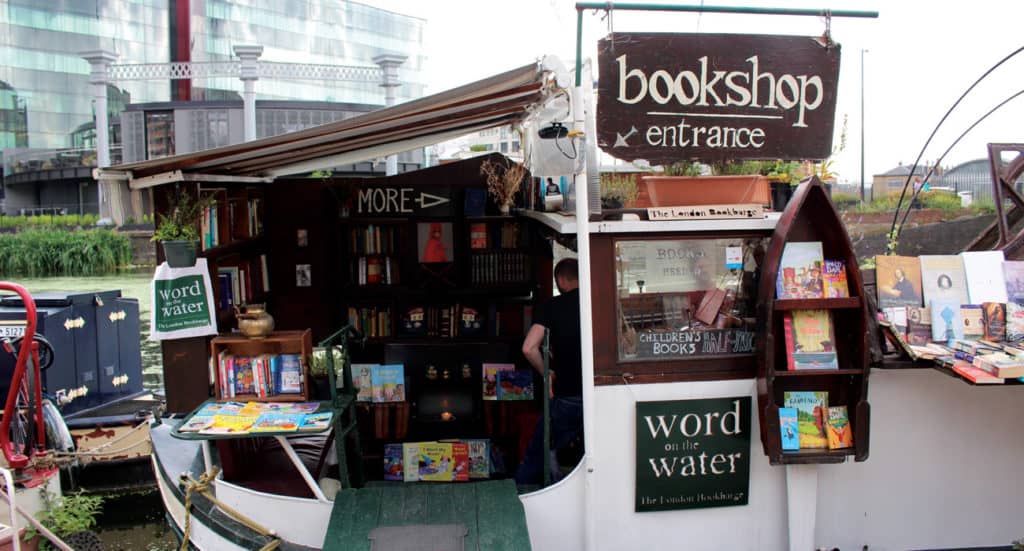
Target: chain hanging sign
{"type": "Point", "coordinates": [713, 97]}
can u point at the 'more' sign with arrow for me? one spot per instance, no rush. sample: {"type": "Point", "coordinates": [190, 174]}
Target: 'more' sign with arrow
{"type": "Point", "coordinates": [670, 97]}
{"type": "Point", "coordinates": [404, 201]}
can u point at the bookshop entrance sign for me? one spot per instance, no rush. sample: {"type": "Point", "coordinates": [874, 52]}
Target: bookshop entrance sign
{"type": "Point", "coordinates": [692, 454]}
{"type": "Point", "coordinates": [665, 97]}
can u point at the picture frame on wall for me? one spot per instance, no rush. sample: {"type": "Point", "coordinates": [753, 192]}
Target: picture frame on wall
{"type": "Point", "coordinates": [434, 242]}
{"type": "Point", "coordinates": [303, 275]}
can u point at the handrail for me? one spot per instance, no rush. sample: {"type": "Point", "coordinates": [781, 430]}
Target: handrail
{"type": "Point", "coordinates": [46, 533]}
{"type": "Point", "coordinates": [27, 347]}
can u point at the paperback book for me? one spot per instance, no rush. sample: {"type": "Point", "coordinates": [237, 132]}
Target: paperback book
{"type": "Point", "coordinates": [362, 378]}
{"type": "Point", "coordinates": [984, 273]}
{"type": "Point", "coordinates": [230, 424]}
{"type": "Point", "coordinates": [993, 319]}
{"type": "Point", "coordinates": [810, 410]}
{"type": "Point", "coordinates": [834, 279]}
{"type": "Point", "coordinates": [1014, 323]}
{"type": "Point", "coordinates": [490, 378]}
{"type": "Point", "coordinates": [809, 340]}
{"type": "Point", "coordinates": [942, 278]}
{"type": "Point", "coordinates": [479, 458]}
{"type": "Point", "coordinates": [898, 280]}
{"type": "Point", "coordinates": [800, 271]}
{"type": "Point", "coordinates": [789, 428]}
{"type": "Point", "coordinates": [411, 461]}
{"type": "Point", "coordinates": [919, 325]}
{"type": "Point", "coordinates": [515, 385]}
{"type": "Point", "coordinates": [1013, 274]}
{"type": "Point", "coordinates": [946, 322]}
{"type": "Point", "coordinates": [196, 423]}
{"type": "Point", "coordinates": [460, 462]}
{"type": "Point", "coordinates": [316, 421]}
{"type": "Point", "coordinates": [840, 434]}
{"type": "Point", "coordinates": [435, 462]}
{"type": "Point", "coordinates": [970, 314]}
{"type": "Point", "coordinates": [288, 373]}
{"type": "Point", "coordinates": [278, 422]}
{"type": "Point", "coordinates": [393, 461]}
{"type": "Point", "coordinates": [388, 383]}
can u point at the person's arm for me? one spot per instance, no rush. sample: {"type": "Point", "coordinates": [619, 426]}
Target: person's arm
{"type": "Point", "coordinates": [531, 347]}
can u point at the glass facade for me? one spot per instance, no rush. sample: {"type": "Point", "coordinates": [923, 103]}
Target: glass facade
{"type": "Point", "coordinates": [46, 100]}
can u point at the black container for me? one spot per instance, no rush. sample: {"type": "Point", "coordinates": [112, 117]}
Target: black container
{"type": "Point", "coordinates": [95, 338]}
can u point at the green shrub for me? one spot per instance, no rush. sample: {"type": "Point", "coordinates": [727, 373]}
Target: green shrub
{"type": "Point", "coordinates": [41, 253]}
{"type": "Point", "coordinates": [942, 200]}
{"type": "Point", "coordinates": [49, 221]}
{"type": "Point", "coordinates": [845, 201]}
{"type": "Point", "coordinates": [71, 513]}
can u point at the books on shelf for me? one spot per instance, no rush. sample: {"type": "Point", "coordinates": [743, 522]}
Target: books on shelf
{"type": "Point", "coordinates": [942, 278]}
{"type": "Point", "coordinates": [500, 267]}
{"type": "Point", "coordinates": [263, 376]}
{"type": "Point", "coordinates": [898, 281]}
{"type": "Point", "coordinates": [840, 433]}
{"type": "Point", "coordinates": [810, 409]}
{"type": "Point", "coordinates": [834, 279]}
{"type": "Point", "coordinates": [800, 271]}
{"type": "Point", "coordinates": [984, 273]}
{"type": "Point", "coordinates": [478, 235]}
{"type": "Point", "coordinates": [810, 340]}
{"type": "Point", "coordinates": [388, 383]}
{"type": "Point", "coordinates": [790, 432]}
{"type": "Point", "coordinates": [372, 321]}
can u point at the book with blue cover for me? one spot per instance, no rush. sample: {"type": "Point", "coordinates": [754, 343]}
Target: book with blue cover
{"type": "Point", "coordinates": [789, 429]}
{"type": "Point", "coordinates": [515, 385]}
{"type": "Point", "coordinates": [289, 374]}
{"type": "Point", "coordinates": [388, 383]}
{"type": "Point", "coordinates": [946, 322]}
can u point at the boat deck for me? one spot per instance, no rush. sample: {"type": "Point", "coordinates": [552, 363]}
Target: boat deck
{"type": "Point", "coordinates": [490, 511]}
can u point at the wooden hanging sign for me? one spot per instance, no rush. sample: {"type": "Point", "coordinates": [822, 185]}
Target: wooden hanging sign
{"type": "Point", "coordinates": [668, 97]}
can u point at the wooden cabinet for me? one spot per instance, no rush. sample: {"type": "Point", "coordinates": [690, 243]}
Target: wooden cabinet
{"type": "Point", "coordinates": [277, 343]}
{"type": "Point", "coordinates": [810, 216]}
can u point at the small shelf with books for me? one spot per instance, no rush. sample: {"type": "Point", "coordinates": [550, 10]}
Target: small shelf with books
{"type": "Point", "coordinates": [813, 360]}
{"type": "Point", "coordinates": [272, 369]}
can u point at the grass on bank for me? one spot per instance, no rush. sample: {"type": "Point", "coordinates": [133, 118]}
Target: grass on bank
{"type": "Point", "coordinates": [940, 200]}
{"type": "Point", "coordinates": [41, 253]}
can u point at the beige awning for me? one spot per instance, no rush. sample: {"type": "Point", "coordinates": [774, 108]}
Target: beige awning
{"type": "Point", "coordinates": [496, 101]}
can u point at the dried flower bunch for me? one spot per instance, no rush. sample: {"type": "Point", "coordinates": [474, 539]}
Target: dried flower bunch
{"type": "Point", "coordinates": [503, 180]}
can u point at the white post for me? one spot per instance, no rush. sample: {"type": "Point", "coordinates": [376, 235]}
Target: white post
{"type": "Point", "coordinates": [389, 67]}
{"type": "Point", "coordinates": [249, 75]}
{"type": "Point", "coordinates": [802, 505]}
{"type": "Point", "coordinates": [99, 62]}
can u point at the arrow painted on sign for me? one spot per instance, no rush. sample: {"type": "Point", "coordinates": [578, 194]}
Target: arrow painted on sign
{"type": "Point", "coordinates": [435, 200]}
{"type": "Point", "coordinates": [620, 140]}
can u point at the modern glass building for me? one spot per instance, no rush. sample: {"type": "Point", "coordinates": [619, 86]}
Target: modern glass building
{"type": "Point", "coordinates": [46, 104]}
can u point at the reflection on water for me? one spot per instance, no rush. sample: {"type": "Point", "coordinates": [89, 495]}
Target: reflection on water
{"type": "Point", "coordinates": [132, 285]}
{"type": "Point", "coordinates": [134, 521]}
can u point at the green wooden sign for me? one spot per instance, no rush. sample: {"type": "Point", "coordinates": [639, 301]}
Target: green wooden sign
{"type": "Point", "coordinates": [692, 453]}
{"type": "Point", "coordinates": [180, 303]}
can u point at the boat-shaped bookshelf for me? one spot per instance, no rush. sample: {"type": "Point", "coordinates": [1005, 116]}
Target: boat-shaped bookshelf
{"type": "Point", "coordinates": [810, 216]}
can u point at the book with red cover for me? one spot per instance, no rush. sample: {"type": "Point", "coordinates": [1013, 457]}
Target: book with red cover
{"type": "Point", "coordinates": [975, 375]}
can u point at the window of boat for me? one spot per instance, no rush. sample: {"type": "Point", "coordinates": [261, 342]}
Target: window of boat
{"type": "Point", "coordinates": [681, 299]}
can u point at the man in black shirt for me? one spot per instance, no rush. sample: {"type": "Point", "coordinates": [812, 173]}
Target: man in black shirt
{"type": "Point", "coordinates": [561, 317]}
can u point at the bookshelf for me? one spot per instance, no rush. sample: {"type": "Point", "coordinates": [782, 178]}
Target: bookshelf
{"type": "Point", "coordinates": [810, 216]}
{"type": "Point", "coordinates": [277, 343]}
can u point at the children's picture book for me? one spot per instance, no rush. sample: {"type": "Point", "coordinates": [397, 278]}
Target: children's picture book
{"type": "Point", "coordinates": [970, 314]}
{"type": "Point", "coordinates": [800, 271]}
{"type": "Point", "coordinates": [252, 408]}
{"type": "Point", "coordinates": [411, 461]}
{"type": "Point", "coordinates": [993, 319]}
{"type": "Point", "coordinates": [316, 421]}
{"type": "Point", "coordinates": [946, 322]}
{"type": "Point", "coordinates": [919, 325]}
{"type": "Point", "coordinates": [810, 340]}
{"type": "Point", "coordinates": [984, 273]}
{"type": "Point", "coordinates": [942, 278]}
{"type": "Point", "coordinates": [840, 434]}
{"type": "Point", "coordinates": [479, 458]}
{"type": "Point", "coordinates": [490, 378]}
{"type": "Point", "coordinates": [245, 379]}
{"type": "Point", "coordinates": [435, 462]}
{"type": "Point", "coordinates": [362, 378]}
{"type": "Point", "coordinates": [898, 280]}
{"type": "Point", "coordinates": [278, 422]}
{"type": "Point", "coordinates": [393, 461]}
{"type": "Point", "coordinates": [289, 374]}
{"type": "Point", "coordinates": [460, 457]}
{"type": "Point", "coordinates": [1014, 322]}
{"type": "Point", "coordinates": [788, 427]}
{"type": "Point", "coordinates": [810, 415]}
{"type": "Point", "coordinates": [1013, 274]}
{"type": "Point", "coordinates": [196, 423]}
{"type": "Point", "coordinates": [515, 385]}
{"type": "Point", "coordinates": [834, 279]}
{"type": "Point", "coordinates": [230, 424]}
{"type": "Point", "coordinates": [388, 383]}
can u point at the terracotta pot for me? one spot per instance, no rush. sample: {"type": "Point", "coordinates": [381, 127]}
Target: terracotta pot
{"type": "Point", "coordinates": [667, 191]}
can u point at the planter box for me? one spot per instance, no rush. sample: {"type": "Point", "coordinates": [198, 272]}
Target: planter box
{"type": "Point", "coordinates": [668, 191]}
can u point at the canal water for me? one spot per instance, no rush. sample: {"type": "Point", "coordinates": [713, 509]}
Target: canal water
{"type": "Point", "coordinates": [130, 521]}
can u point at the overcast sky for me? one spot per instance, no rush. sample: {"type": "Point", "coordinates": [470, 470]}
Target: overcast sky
{"type": "Point", "coordinates": [920, 57]}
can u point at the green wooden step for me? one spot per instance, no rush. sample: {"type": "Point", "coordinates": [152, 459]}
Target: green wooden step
{"type": "Point", "coordinates": [490, 510]}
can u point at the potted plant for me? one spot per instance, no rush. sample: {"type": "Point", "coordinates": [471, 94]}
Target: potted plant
{"type": "Point", "coordinates": [618, 191]}
{"type": "Point", "coordinates": [503, 181]}
{"type": "Point", "coordinates": [178, 230]}
{"type": "Point", "coordinates": [730, 183]}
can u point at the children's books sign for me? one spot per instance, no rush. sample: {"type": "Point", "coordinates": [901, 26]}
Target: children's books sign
{"type": "Point", "coordinates": [692, 453]}
{"type": "Point", "coordinates": [182, 302]}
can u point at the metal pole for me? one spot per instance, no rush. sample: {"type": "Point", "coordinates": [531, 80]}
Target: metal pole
{"type": "Point", "coordinates": [389, 81]}
{"type": "Point", "coordinates": [862, 125]}
{"type": "Point", "coordinates": [99, 62]}
{"type": "Point", "coordinates": [249, 74]}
